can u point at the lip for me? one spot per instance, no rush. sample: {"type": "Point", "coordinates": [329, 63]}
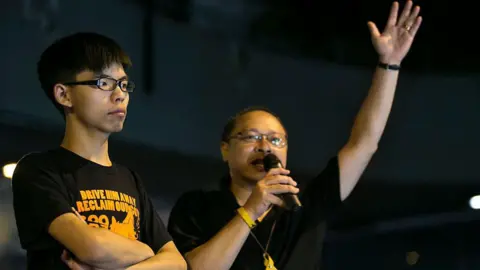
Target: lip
{"type": "Point", "coordinates": [255, 158]}
{"type": "Point", "coordinates": [258, 166]}
{"type": "Point", "coordinates": [118, 112]}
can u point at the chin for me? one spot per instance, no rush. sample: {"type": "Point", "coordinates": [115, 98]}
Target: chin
{"type": "Point", "coordinates": [117, 130]}
{"type": "Point", "coordinates": [114, 129]}
{"type": "Point", "coordinates": [254, 176]}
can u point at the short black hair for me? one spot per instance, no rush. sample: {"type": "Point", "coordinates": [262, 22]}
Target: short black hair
{"type": "Point", "coordinates": [70, 55]}
{"type": "Point", "coordinates": [232, 122]}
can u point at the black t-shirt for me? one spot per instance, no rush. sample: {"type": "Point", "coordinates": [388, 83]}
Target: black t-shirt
{"type": "Point", "coordinates": [47, 185]}
{"type": "Point", "coordinates": [297, 239]}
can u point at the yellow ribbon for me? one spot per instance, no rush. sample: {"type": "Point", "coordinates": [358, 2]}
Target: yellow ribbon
{"type": "Point", "coordinates": [268, 262]}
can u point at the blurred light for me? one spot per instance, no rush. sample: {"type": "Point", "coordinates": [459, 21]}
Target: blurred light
{"type": "Point", "coordinates": [475, 202]}
{"type": "Point", "coordinates": [8, 170]}
{"type": "Point", "coordinates": [412, 257]}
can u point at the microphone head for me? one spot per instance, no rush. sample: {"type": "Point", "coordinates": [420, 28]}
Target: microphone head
{"type": "Point", "coordinates": [271, 161]}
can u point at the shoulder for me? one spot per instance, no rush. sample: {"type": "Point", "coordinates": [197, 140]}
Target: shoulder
{"type": "Point", "coordinates": [124, 170]}
{"type": "Point", "coordinates": [36, 162]}
{"type": "Point", "coordinates": [192, 207]}
{"type": "Point", "coordinates": [191, 197]}
{"type": "Point", "coordinates": [331, 171]}
{"type": "Point", "coordinates": [128, 173]}
{"type": "Point", "coordinates": [196, 200]}
{"type": "Point", "coordinates": [37, 158]}
{"type": "Point", "coordinates": [37, 172]}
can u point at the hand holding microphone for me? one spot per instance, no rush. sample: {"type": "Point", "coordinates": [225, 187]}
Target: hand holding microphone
{"type": "Point", "coordinates": [270, 190]}
{"type": "Point", "coordinates": [291, 200]}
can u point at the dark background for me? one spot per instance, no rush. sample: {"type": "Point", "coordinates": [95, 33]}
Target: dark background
{"type": "Point", "coordinates": [198, 62]}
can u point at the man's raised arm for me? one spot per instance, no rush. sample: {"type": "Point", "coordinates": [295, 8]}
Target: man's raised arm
{"type": "Point", "coordinates": [392, 45]}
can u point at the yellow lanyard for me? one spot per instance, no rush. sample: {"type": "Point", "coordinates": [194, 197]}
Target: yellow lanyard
{"type": "Point", "coordinates": [267, 259]}
{"type": "Point", "coordinates": [268, 262]}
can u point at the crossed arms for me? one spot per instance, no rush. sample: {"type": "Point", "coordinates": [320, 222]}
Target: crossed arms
{"type": "Point", "coordinates": [40, 194]}
{"type": "Point", "coordinates": [102, 249]}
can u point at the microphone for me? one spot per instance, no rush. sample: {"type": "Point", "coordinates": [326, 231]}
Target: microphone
{"type": "Point", "coordinates": [291, 200]}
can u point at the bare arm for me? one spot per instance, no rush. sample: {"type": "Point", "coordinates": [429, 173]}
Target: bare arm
{"type": "Point", "coordinates": [167, 258]}
{"type": "Point", "coordinates": [392, 45]}
{"type": "Point", "coordinates": [97, 247]}
{"type": "Point", "coordinates": [227, 242]}
{"type": "Point", "coordinates": [369, 124]}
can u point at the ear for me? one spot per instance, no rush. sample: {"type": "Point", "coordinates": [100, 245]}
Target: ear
{"type": "Point", "coordinates": [224, 147]}
{"type": "Point", "coordinates": [62, 95]}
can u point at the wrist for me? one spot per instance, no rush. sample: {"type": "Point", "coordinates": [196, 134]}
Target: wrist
{"type": "Point", "coordinates": [388, 67]}
{"type": "Point", "coordinates": [390, 61]}
{"type": "Point", "coordinates": [248, 216]}
{"type": "Point", "coordinates": [252, 213]}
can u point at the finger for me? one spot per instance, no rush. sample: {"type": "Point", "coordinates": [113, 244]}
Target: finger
{"type": "Point", "coordinates": [416, 26]}
{"type": "Point", "coordinates": [65, 256]}
{"type": "Point", "coordinates": [75, 211]}
{"type": "Point", "coordinates": [413, 17]}
{"type": "Point", "coordinates": [275, 200]}
{"type": "Point", "coordinates": [281, 189]}
{"type": "Point", "coordinates": [67, 259]}
{"type": "Point", "coordinates": [392, 18]}
{"type": "Point", "coordinates": [405, 13]}
{"type": "Point", "coordinates": [373, 29]}
{"type": "Point", "coordinates": [77, 214]}
{"type": "Point", "coordinates": [71, 265]}
{"type": "Point", "coordinates": [277, 171]}
{"type": "Point", "coordinates": [280, 179]}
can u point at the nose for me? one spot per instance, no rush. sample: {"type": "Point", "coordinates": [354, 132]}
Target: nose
{"type": "Point", "coordinates": [263, 146]}
{"type": "Point", "coordinates": [119, 96]}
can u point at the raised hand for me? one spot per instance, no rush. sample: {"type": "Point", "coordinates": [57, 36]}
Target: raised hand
{"type": "Point", "coordinates": [393, 44]}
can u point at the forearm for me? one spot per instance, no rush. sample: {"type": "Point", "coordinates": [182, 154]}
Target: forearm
{"type": "Point", "coordinates": [162, 261]}
{"type": "Point", "coordinates": [114, 251]}
{"type": "Point", "coordinates": [372, 117]}
{"type": "Point", "coordinates": [220, 251]}
{"type": "Point", "coordinates": [367, 130]}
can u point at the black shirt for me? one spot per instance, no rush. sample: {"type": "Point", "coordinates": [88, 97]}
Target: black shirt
{"type": "Point", "coordinates": [47, 185]}
{"type": "Point", "coordinates": [297, 239]}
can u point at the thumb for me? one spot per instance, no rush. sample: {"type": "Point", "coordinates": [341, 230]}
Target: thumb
{"type": "Point", "coordinates": [373, 29]}
{"type": "Point", "coordinates": [65, 256]}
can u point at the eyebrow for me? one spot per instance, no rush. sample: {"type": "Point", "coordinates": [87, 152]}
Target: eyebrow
{"type": "Point", "coordinates": [256, 130]}
{"type": "Point", "coordinates": [103, 75]}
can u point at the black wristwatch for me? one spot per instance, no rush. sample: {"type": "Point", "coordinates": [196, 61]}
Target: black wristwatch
{"type": "Point", "coordinates": [389, 67]}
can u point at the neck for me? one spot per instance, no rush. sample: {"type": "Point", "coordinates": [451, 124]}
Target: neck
{"type": "Point", "coordinates": [89, 143]}
{"type": "Point", "coordinates": [241, 188]}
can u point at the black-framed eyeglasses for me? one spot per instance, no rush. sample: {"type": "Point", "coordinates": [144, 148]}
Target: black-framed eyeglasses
{"type": "Point", "coordinates": [108, 84]}
{"type": "Point", "coordinates": [276, 139]}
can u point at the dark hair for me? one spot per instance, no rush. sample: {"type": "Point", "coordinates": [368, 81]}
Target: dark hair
{"type": "Point", "coordinates": [70, 55]}
{"type": "Point", "coordinates": [232, 122]}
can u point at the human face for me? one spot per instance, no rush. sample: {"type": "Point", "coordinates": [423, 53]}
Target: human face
{"type": "Point", "coordinates": [93, 107]}
{"type": "Point", "coordinates": [245, 157]}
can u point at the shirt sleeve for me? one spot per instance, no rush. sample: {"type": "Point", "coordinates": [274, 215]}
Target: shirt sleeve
{"type": "Point", "coordinates": [322, 194]}
{"type": "Point", "coordinates": [153, 231]}
{"type": "Point", "coordinates": [183, 225]}
{"type": "Point", "coordinates": [39, 197]}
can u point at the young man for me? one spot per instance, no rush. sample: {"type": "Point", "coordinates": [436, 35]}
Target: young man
{"type": "Point", "coordinates": [237, 227]}
{"type": "Point", "coordinates": [74, 207]}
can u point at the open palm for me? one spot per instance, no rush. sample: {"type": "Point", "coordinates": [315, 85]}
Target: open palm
{"type": "Point", "coordinates": [393, 44]}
